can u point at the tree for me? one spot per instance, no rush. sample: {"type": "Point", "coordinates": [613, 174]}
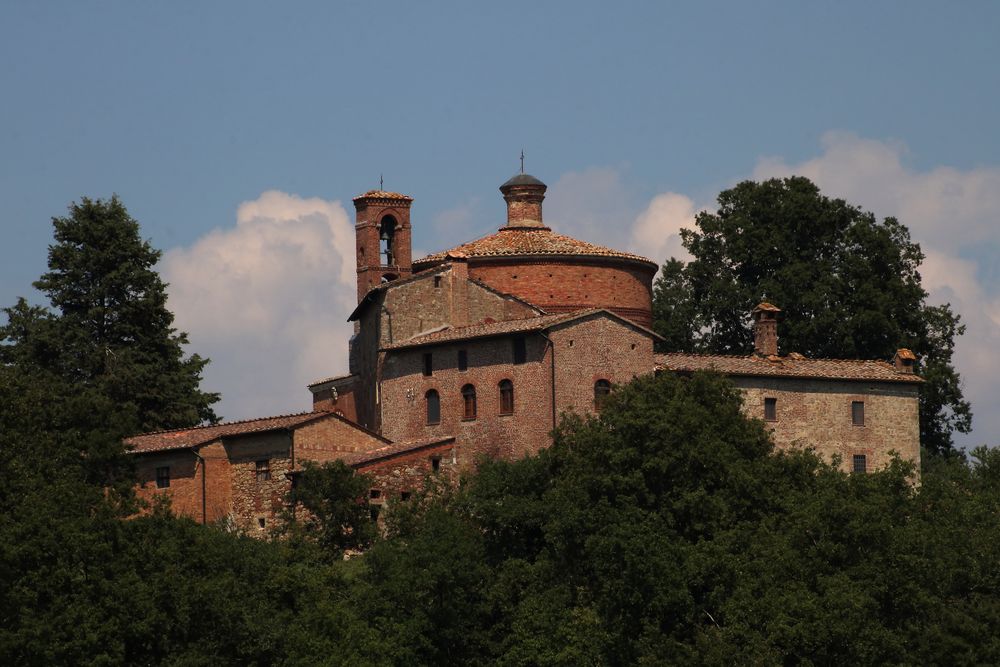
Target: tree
{"type": "Point", "coordinates": [105, 346]}
{"type": "Point", "coordinates": [328, 504]}
{"type": "Point", "coordinates": [849, 286]}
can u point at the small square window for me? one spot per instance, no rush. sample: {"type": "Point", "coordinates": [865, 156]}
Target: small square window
{"type": "Point", "coordinates": [858, 413]}
{"type": "Point", "coordinates": [405, 495]}
{"type": "Point", "coordinates": [263, 470]}
{"type": "Point", "coordinates": [860, 463]}
{"type": "Point", "coordinates": [771, 409]}
{"type": "Point", "coordinates": [436, 463]}
{"type": "Point", "coordinates": [374, 494]}
{"type": "Point", "coordinates": [163, 477]}
{"type": "Point", "coordinates": [428, 364]}
{"type": "Point", "coordinates": [463, 360]}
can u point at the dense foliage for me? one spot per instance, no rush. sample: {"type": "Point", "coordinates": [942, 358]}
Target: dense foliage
{"type": "Point", "coordinates": [666, 531]}
{"type": "Point", "coordinates": [848, 283]}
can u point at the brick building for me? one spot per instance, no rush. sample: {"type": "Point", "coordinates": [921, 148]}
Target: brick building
{"type": "Point", "coordinates": [476, 351]}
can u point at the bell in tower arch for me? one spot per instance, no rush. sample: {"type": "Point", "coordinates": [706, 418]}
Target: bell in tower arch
{"type": "Point", "coordinates": [387, 237]}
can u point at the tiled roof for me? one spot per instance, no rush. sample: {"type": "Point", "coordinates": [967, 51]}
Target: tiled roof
{"type": "Point", "coordinates": [382, 194]}
{"type": "Point", "coordinates": [192, 437]}
{"type": "Point", "coordinates": [520, 241]}
{"type": "Point", "coordinates": [790, 366]}
{"type": "Point", "coordinates": [330, 379]}
{"type": "Point", "coordinates": [488, 329]}
{"type": "Point", "coordinates": [394, 449]}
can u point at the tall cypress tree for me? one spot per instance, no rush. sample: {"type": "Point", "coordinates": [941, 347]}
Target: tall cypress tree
{"type": "Point", "coordinates": [106, 346]}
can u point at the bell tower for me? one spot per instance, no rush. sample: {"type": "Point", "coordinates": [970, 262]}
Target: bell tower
{"type": "Point", "coordinates": [382, 230]}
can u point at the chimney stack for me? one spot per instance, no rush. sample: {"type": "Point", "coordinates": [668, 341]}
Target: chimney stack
{"type": "Point", "coordinates": [765, 329]}
{"type": "Point", "coordinates": [904, 360]}
{"type": "Point", "coordinates": [524, 195]}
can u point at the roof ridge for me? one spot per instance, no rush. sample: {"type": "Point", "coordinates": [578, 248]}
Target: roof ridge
{"type": "Point", "coordinates": [787, 356]}
{"type": "Point", "coordinates": [225, 423]}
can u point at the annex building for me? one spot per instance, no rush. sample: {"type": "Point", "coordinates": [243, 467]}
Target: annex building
{"type": "Point", "coordinates": [477, 350]}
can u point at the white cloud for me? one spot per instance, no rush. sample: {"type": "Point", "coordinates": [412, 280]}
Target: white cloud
{"type": "Point", "coordinates": [952, 214]}
{"type": "Point", "coordinates": [656, 233]}
{"type": "Point", "coordinates": [268, 300]}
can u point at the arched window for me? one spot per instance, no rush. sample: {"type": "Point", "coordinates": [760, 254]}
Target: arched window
{"type": "Point", "coordinates": [386, 234]}
{"type": "Point", "coordinates": [433, 407]}
{"type": "Point", "coordinates": [468, 402]}
{"type": "Point", "coordinates": [506, 397]}
{"type": "Point", "coordinates": [601, 390]}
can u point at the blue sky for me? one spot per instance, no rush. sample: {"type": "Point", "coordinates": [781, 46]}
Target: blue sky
{"type": "Point", "coordinates": [236, 133]}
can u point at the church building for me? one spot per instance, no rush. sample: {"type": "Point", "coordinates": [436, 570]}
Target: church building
{"type": "Point", "coordinates": [477, 350]}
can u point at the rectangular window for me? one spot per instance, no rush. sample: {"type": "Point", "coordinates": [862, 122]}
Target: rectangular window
{"type": "Point", "coordinates": [463, 360]}
{"type": "Point", "coordinates": [163, 477]}
{"type": "Point", "coordinates": [428, 364]}
{"type": "Point", "coordinates": [520, 350]}
{"type": "Point", "coordinates": [263, 470]}
{"type": "Point", "coordinates": [405, 495]}
{"type": "Point", "coordinates": [437, 281]}
{"type": "Point", "coordinates": [860, 463]}
{"type": "Point", "coordinates": [771, 409]}
{"type": "Point", "coordinates": [858, 413]}
{"type": "Point", "coordinates": [374, 494]}
{"type": "Point", "coordinates": [436, 463]}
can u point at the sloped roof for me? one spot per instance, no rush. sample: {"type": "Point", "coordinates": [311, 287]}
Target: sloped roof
{"type": "Point", "coordinates": [185, 438]}
{"type": "Point", "coordinates": [527, 241]}
{"type": "Point", "coordinates": [383, 194]}
{"type": "Point", "coordinates": [790, 366]}
{"type": "Point", "coordinates": [395, 449]}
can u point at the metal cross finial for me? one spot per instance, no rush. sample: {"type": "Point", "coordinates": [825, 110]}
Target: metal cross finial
{"type": "Point", "coordinates": [522, 160]}
{"type": "Point", "coordinates": [380, 183]}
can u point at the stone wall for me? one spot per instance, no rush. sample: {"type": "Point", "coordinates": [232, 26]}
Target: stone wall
{"type": "Point", "coordinates": [817, 413]}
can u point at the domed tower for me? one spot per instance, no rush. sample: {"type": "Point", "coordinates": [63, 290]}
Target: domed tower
{"type": "Point", "coordinates": [382, 230]}
{"type": "Point", "coordinates": [552, 271]}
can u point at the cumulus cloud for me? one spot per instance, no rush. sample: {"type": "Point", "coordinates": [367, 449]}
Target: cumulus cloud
{"type": "Point", "coordinates": [268, 300]}
{"type": "Point", "coordinates": [656, 233]}
{"type": "Point", "coordinates": [952, 213]}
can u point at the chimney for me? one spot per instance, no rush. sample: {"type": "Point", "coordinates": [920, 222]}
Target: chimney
{"type": "Point", "coordinates": [524, 195]}
{"type": "Point", "coordinates": [765, 329]}
{"type": "Point", "coordinates": [904, 360]}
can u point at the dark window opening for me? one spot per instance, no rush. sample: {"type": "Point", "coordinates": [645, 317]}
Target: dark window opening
{"type": "Point", "coordinates": [520, 350]}
{"type": "Point", "coordinates": [428, 364]}
{"type": "Point", "coordinates": [463, 360]}
{"type": "Point", "coordinates": [771, 409]}
{"type": "Point", "coordinates": [860, 463]}
{"type": "Point", "coordinates": [435, 463]}
{"type": "Point", "coordinates": [375, 494]}
{"type": "Point", "coordinates": [405, 495]}
{"type": "Point", "coordinates": [373, 511]}
{"type": "Point", "coordinates": [506, 397]}
{"type": "Point", "coordinates": [858, 413]}
{"type": "Point", "coordinates": [437, 281]}
{"type": "Point", "coordinates": [163, 477]}
{"type": "Point", "coordinates": [468, 402]}
{"type": "Point", "coordinates": [261, 522]}
{"type": "Point", "coordinates": [601, 390]}
{"type": "Point", "coordinates": [263, 470]}
{"type": "Point", "coordinates": [387, 234]}
{"type": "Point", "coordinates": [433, 407]}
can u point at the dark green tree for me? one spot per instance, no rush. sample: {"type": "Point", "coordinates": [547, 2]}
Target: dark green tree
{"type": "Point", "coordinates": [105, 347]}
{"type": "Point", "coordinates": [328, 505]}
{"type": "Point", "coordinates": [848, 283]}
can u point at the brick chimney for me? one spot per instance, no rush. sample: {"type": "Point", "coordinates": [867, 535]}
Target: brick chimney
{"type": "Point", "coordinates": [765, 329]}
{"type": "Point", "coordinates": [524, 195]}
{"type": "Point", "coordinates": [904, 360]}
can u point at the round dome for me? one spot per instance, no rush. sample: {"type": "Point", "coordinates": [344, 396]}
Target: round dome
{"type": "Point", "coordinates": [521, 179]}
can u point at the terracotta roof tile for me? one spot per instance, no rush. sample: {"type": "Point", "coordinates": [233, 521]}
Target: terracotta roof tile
{"type": "Point", "coordinates": [383, 194]}
{"type": "Point", "coordinates": [199, 435]}
{"type": "Point", "coordinates": [520, 241]}
{"type": "Point", "coordinates": [487, 329]}
{"type": "Point", "coordinates": [794, 365]}
{"type": "Point", "coordinates": [394, 449]}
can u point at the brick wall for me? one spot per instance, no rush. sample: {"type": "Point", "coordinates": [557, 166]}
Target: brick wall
{"type": "Point", "coordinates": [185, 480]}
{"type": "Point", "coordinates": [818, 413]}
{"type": "Point", "coordinates": [572, 284]}
{"type": "Point", "coordinates": [489, 361]}
{"type": "Point", "coordinates": [596, 348]}
{"type": "Point", "coordinates": [330, 438]}
{"type": "Point", "coordinates": [253, 499]}
{"type": "Point", "coordinates": [410, 472]}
